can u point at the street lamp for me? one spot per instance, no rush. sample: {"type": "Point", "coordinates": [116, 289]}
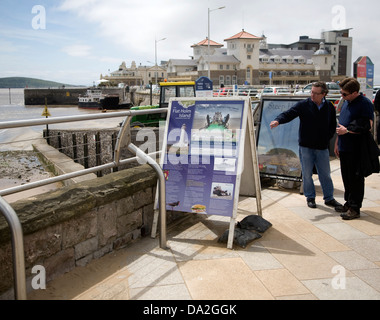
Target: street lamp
{"type": "Point", "coordinates": [208, 40]}
{"type": "Point", "coordinates": [155, 55]}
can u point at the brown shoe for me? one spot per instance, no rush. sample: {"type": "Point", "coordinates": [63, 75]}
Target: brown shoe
{"type": "Point", "coordinates": [350, 214]}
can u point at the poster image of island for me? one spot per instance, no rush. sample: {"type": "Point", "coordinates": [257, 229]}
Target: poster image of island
{"type": "Point", "coordinates": [277, 148]}
{"type": "Point", "coordinates": [216, 128]}
{"type": "Point", "coordinates": [201, 151]}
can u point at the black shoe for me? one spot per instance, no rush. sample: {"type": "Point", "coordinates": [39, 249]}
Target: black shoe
{"type": "Point", "coordinates": [333, 203]}
{"type": "Point", "coordinates": [311, 203]}
{"type": "Point", "coordinates": [350, 214]}
{"type": "Point", "coordinates": [341, 208]}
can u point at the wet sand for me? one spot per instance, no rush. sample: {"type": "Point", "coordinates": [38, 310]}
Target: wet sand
{"type": "Point", "coordinates": [21, 167]}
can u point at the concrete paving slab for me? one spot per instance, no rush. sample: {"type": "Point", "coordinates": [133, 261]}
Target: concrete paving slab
{"type": "Point", "coordinates": [307, 254]}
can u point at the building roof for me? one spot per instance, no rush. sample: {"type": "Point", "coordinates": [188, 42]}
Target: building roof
{"type": "Point", "coordinates": [205, 43]}
{"type": "Point", "coordinates": [183, 62]}
{"type": "Point", "coordinates": [322, 50]}
{"type": "Point", "coordinates": [221, 59]}
{"type": "Point", "coordinates": [243, 35]}
{"type": "Point", "coordinates": [307, 54]}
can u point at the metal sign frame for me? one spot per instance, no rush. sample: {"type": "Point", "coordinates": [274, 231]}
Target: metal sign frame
{"type": "Point", "coordinates": [214, 187]}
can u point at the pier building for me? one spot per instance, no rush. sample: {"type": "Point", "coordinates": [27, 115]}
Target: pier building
{"type": "Point", "coordinates": [136, 75]}
{"type": "Point", "coordinates": [250, 60]}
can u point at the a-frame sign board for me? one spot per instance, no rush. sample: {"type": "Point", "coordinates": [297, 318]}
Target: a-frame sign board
{"type": "Point", "coordinates": [209, 157]}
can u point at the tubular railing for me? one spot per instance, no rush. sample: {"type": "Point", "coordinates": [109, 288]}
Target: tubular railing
{"type": "Point", "coordinates": [17, 249]}
{"type": "Point", "coordinates": [124, 135]}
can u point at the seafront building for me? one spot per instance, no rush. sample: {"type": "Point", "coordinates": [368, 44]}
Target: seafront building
{"type": "Point", "coordinates": [136, 75]}
{"type": "Point", "coordinates": [250, 60]}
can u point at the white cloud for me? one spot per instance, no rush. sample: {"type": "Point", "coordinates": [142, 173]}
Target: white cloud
{"type": "Point", "coordinates": [134, 25]}
{"type": "Point", "coordinates": [77, 50]}
{"type": "Point", "coordinates": [76, 4]}
{"type": "Point", "coordinates": [7, 46]}
{"type": "Point", "coordinates": [109, 32]}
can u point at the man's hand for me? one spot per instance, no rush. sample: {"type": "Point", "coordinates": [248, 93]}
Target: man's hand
{"type": "Point", "coordinates": [341, 130]}
{"type": "Point", "coordinates": [274, 124]}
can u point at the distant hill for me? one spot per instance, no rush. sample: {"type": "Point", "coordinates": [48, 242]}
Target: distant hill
{"type": "Point", "coordinates": [21, 82]}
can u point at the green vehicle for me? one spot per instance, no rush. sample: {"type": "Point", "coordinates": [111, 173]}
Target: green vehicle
{"type": "Point", "coordinates": [167, 90]}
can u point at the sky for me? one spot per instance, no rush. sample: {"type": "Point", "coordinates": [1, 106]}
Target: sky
{"type": "Point", "coordinates": [75, 41]}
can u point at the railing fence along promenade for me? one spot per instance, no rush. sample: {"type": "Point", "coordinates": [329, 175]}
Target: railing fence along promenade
{"type": "Point", "coordinates": [123, 138]}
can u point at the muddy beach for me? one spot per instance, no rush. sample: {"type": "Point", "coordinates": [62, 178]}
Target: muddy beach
{"type": "Point", "coordinates": [21, 167]}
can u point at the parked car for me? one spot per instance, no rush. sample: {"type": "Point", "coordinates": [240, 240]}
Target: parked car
{"type": "Point", "coordinates": [250, 92]}
{"type": "Point", "coordinates": [375, 89]}
{"type": "Point", "coordinates": [332, 86]}
{"type": "Point", "coordinates": [223, 92]}
{"type": "Point", "coordinates": [275, 91]}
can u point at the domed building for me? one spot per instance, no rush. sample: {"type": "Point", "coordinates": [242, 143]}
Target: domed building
{"type": "Point", "coordinates": [250, 60]}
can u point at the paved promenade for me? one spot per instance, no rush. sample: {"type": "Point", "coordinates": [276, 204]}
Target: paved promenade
{"type": "Point", "coordinates": [307, 254]}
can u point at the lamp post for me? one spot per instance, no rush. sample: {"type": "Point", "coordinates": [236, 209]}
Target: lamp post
{"type": "Point", "coordinates": [208, 40]}
{"type": "Point", "coordinates": [155, 55]}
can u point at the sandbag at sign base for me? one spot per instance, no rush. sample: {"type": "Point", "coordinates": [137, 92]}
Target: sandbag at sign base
{"type": "Point", "coordinates": [247, 230]}
{"type": "Point", "coordinates": [241, 236]}
{"type": "Point", "coordinates": [254, 222]}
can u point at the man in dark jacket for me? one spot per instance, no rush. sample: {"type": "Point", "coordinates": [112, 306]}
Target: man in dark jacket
{"type": "Point", "coordinates": [356, 111]}
{"type": "Point", "coordinates": [377, 108]}
{"type": "Point", "coordinates": [317, 127]}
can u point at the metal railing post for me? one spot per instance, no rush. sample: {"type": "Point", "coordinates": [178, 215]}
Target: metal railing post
{"type": "Point", "coordinates": [162, 191]}
{"type": "Point", "coordinates": [17, 249]}
{"type": "Point", "coordinates": [12, 218]}
{"type": "Point", "coordinates": [125, 137]}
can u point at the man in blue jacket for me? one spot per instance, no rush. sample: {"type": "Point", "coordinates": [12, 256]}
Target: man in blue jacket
{"type": "Point", "coordinates": [317, 126]}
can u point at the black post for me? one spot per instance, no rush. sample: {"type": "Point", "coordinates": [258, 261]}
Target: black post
{"type": "Point", "coordinates": [59, 142]}
{"type": "Point", "coordinates": [151, 92]}
{"type": "Point", "coordinates": [75, 148]}
{"type": "Point", "coordinates": [47, 126]}
{"type": "Point", "coordinates": [85, 151]}
{"type": "Point", "coordinates": [98, 153]}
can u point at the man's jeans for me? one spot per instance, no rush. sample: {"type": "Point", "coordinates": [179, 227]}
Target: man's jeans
{"type": "Point", "coordinates": [321, 160]}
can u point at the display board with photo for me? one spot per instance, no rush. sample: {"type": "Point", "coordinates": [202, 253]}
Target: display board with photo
{"type": "Point", "coordinates": [277, 149]}
{"type": "Point", "coordinates": [202, 145]}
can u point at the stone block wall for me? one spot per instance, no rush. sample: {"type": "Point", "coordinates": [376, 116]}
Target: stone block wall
{"type": "Point", "coordinates": [61, 96]}
{"type": "Point", "coordinates": [70, 96]}
{"type": "Point", "coordinates": [76, 224]}
{"type": "Point", "coordinates": [96, 147]}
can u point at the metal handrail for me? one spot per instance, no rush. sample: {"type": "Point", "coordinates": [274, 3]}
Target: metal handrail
{"type": "Point", "coordinates": [125, 134]}
{"type": "Point", "coordinates": [36, 122]}
{"type": "Point", "coordinates": [96, 116]}
{"type": "Point", "coordinates": [11, 216]}
{"type": "Point", "coordinates": [17, 249]}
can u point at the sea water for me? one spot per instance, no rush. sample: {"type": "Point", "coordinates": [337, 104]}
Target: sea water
{"type": "Point", "coordinates": [12, 108]}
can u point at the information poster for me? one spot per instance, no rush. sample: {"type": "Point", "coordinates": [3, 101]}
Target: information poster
{"type": "Point", "coordinates": [278, 151]}
{"type": "Point", "coordinates": [202, 144]}
{"type": "Point", "coordinates": [203, 87]}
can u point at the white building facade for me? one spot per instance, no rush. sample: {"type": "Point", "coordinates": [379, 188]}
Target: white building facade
{"type": "Point", "coordinates": [249, 60]}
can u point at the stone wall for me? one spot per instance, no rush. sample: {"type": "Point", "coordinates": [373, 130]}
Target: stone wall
{"type": "Point", "coordinates": [61, 96]}
{"type": "Point", "coordinates": [96, 147]}
{"type": "Point", "coordinates": [53, 96]}
{"type": "Point", "coordinates": [76, 224]}
{"type": "Point", "coordinates": [69, 96]}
